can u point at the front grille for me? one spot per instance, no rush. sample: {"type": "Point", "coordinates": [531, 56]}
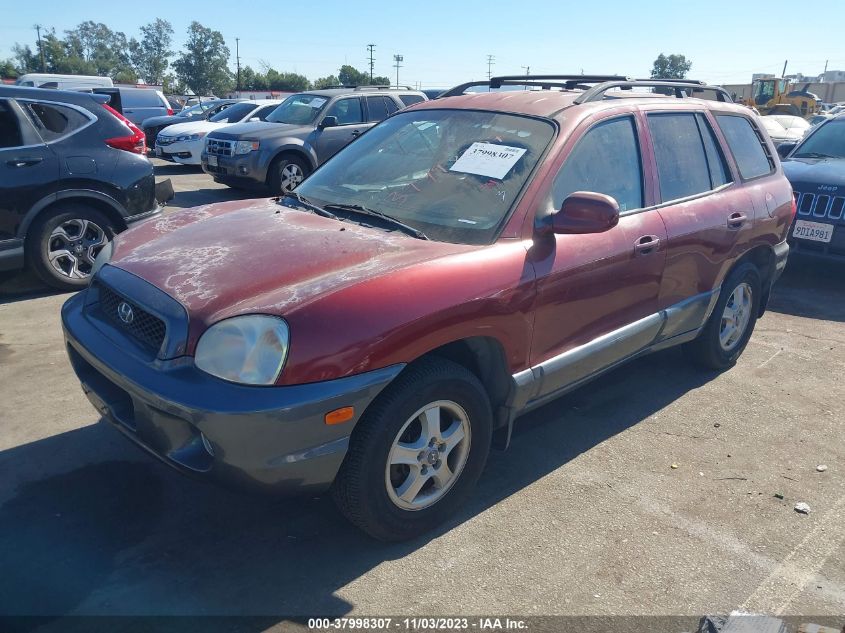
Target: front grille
{"type": "Point", "coordinates": [819, 205]}
{"type": "Point", "coordinates": [145, 327]}
{"type": "Point", "coordinates": [219, 147]}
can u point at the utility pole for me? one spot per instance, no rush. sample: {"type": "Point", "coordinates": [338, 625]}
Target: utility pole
{"type": "Point", "coordinates": [37, 28]}
{"type": "Point", "coordinates": [238, 62]}
{"type": "Point", "coordinates": [783, 73]}
{"type": "Point", "coordinates": [371, 48]}
{"type": "Point", "coordinates": [527, 74]}
{"type": "Point", "coordinates": [396, 62]}
{"type": "Point", "coordinates": [824, 72]}
{"type": "Point", "coordinates": [490, 61]}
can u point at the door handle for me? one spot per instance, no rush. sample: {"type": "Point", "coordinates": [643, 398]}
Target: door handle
{"type": "Point", "coordinates": [23, 162]}
{"type": "Point", "coordinates": [736, 220]}
{"type": "Point", "coordinates": [646, 244]}
{"type": "Point", "coordinates": [356, 133]}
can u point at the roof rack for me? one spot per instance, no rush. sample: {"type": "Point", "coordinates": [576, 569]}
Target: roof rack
{"type": "Point", "coordinates": [681, 88]}
{"type": "Point", "coordinates": [544, 82]}
{"type": "Point", "coordinates": [366, 87]}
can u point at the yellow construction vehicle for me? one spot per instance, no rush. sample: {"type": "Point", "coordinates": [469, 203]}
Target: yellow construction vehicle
{"type": "Point", "coordinates": [778, 96]}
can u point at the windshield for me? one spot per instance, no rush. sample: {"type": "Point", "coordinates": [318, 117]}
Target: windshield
{"type": "Point", "coordinates": [192, 111]}
{"type": "Point", "coordinates": [233, 113]}
{"type": "Point", "coordinates": [827, 140]}
{"type": "Point", "coordinates": [452, 174]}
{"type": "Point", "coordinates": [299, 109]}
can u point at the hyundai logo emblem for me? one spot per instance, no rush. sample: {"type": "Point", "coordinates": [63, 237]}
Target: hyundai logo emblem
{"type": "Point", "coordinates": [125, 312]}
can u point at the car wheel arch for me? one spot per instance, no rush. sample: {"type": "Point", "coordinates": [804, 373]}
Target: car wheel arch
{"type": "Point", "coordinates": [300, 153]}
{"type": "Point", "coordinates": [763, 257]}
{"type": "Point", "coordinates": [95, 199]}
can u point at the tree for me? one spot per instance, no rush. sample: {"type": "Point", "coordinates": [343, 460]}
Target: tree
{"type": "Point", "coordinates": [350, 76]}
{"type": "Point", "coordinates": [96, 47]}
{"type": "Point", "coordinates": [7, 69]}
{"type": "Point", "coordinates": [325, 82]}
{"type": "Point", "coordinates": [381, 81]}
{"type": "Point", "coordinates": [203, 65]}
{"type": "Point", "coordinates": [26, 61]}
{"type": "Point", "coordinates": [291, 82]}
{"type": "Point", "coordinates": [670, 67]}
{"type": "Point", "coordinates": [150, 56]}
{"type": "Point", "coordinates": [247, 78]}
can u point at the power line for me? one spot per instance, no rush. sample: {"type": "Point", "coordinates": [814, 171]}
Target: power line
{"type": "Point", "coordinates": [371, 48]}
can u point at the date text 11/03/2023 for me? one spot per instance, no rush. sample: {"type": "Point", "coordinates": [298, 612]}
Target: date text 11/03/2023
{"type": "Point", "coordinates": [417, 624]}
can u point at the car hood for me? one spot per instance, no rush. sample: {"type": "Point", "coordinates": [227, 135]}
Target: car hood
{"type": "Point", "coordinates": [169, 119]}
{"type": "Point", "coordinates": [257, 256]}
{"type": "Point", "coordinates": [807, 174]}
{"type": "Point", "coordinates": [191, 127]}
{"type": "Point", "coordinates": [262, 129]}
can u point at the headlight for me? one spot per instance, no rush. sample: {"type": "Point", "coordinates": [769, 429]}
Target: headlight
{"type": "Point", "coordinates": [190, 137]}
{"type": "Point", "coordinates": [249, 349]}
{"type": "Point", "coordinates": [245, 147]}
{"type": "Point", "coordinates": [102, 258]}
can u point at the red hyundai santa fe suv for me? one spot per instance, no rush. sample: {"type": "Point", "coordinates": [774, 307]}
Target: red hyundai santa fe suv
{"type": "Point", "coordinates": [470, 258]}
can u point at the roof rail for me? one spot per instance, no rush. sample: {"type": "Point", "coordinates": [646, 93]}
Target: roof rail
{"type": "Point", "coordinates": [681, 88]}
{"type": "Point", "coordinates": [544, 82]}
{"type": "Point", "coordinates": [366, 87]}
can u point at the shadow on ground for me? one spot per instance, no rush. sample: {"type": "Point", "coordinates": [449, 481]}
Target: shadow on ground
{"type": "Point", "coordinates": [811, 288]}
{"type": "Point", "coordinates": [96, 527]}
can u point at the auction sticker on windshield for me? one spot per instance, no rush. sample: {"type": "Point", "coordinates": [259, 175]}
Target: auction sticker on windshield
{"type": "Point", "coordinates": [488, 159]}
{"type": "Point", "coordinates": [816, 231]}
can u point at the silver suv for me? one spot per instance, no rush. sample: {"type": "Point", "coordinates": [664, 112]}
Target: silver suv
{"type": "Point", "coordinates": [307, 129]}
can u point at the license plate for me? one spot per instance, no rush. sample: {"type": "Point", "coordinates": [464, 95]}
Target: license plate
{"type": "Point", "coordinates": [212, 160]}
{"type": "Point", "coordinates": [815, 231]}
{"type": "Point", "coordinates": [158, 151]}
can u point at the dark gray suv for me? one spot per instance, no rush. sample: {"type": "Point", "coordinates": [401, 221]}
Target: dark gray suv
{"type": "Point", "coordinates": [302, 133]}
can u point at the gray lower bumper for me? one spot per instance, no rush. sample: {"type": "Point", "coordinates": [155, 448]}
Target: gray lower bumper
{"type": "Point", "coordinates": [267, 438]}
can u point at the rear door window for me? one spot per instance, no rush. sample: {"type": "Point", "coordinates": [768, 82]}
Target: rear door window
{"type": "Point", "coordinates": [719, 174]}
{"type": "Point", "coordinates": [679, 150]}
{"type": "Point", "coordinates": [606, 160]}
{"type": "Point", "coordinates": [54, 121]}
{"type": "Point", "coordinates": [10, 129]}
{"type": "Point", "coordinates": [376, 109]}
{"type": "Point", "coordinates": [746, 145]}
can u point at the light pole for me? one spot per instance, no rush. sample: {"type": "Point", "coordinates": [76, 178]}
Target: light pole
{"type": "Point", "coordinates": [397, 59]}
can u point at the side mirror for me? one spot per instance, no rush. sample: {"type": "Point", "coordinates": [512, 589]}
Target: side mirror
{"type": "Point", "coordinates": [328, 121]}
{"type": "Point", "coordinates": [584, 212]}
{"type": "Point", "coordinates": [785, 148]}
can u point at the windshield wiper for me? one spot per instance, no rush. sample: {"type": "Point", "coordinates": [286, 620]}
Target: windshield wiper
{"type": "Point", "coordinates": [306, 203]}
{"type": "Point", "coordinates": [362, 210]}
{"type": "Point", "coordinates": [812, 155]}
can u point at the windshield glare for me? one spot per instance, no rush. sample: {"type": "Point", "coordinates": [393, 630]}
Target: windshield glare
{"type": "Point", "coordinates": [233, 113]}
{"type": "Point", "coordinates": [452, 174]}
{"type": "Point", "coordinates": [299, 109]}
{"type": "Point", "coordinates": [828, 139]}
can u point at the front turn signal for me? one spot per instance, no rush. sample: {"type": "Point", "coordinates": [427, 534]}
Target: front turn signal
{"type": "Point", "coordinates": [339, 416]}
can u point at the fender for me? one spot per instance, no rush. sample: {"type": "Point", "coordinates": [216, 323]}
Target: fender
{"type": "Point", "coordinates": [46, 201]}
{"type": "Point", "coordinates": [298, 147]}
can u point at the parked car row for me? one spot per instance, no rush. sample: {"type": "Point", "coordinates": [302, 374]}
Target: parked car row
{"type": "Point", "coordinates": [464, 261]}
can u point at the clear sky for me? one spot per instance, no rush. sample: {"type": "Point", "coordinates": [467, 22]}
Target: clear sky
{"type": "Point", "coordinates": [447, 42]}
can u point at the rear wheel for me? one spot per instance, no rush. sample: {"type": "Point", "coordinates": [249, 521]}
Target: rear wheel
{"type": "Point", "coordinates": [729, 328]}
{"type": "Point", "coordinates": [62, 245]}
{"type": "Point", "coordinates": [417, 453]}
{"type": "Point", "coordinates": [286, 173]}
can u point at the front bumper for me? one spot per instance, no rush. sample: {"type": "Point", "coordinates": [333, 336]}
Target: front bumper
{"type": "Point", "coordinates": [266, 438]}
{"type": "Point", "coordinates": [243, 170]}
{"type": "Point", "coordinates": [182, 152]}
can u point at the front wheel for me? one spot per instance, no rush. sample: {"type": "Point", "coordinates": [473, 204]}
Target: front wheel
{"type": "Point", "coordinates": [729, 328]}
{"type": "Point", "coordinates": [285, 174]}
{"type": "Point", "coordinates": [417, 452]}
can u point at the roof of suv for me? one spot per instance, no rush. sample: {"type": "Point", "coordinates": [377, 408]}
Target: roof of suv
{"type": "Point", "coordinates": [48, 94]}
{"type": "Point", "coordinates": [333, 92]}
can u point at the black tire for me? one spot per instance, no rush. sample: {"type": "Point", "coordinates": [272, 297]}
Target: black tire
{"type": "Point", "coordinates": [707, 349]}
{"type": "Point", "coordinates": [39, 244]}
{"type": "Point", "coordinates": [361, 487]}
{"type": "Point", "coordinates": [276, 177]}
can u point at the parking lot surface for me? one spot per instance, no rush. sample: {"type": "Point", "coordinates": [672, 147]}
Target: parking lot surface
{"type": "Point", "coordinates": [584, 514]}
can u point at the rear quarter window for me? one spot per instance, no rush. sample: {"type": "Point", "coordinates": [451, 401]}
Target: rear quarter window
{"type": "Point", "coordinates": [747, 145]}
{"type": "Point", "coordinates": [411, 99]}
{"type": "Point", "coordinates": [54, 121]}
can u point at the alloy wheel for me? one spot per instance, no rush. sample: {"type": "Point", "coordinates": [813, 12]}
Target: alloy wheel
{"type": "Point", "coordinates": [73, 246]}
{"type": "Point", "coordinates": [735, 317]}
{"type": "Point", "coordinates": [290, 176]}
{"type": "Point", "coordinates": [428, 455]}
